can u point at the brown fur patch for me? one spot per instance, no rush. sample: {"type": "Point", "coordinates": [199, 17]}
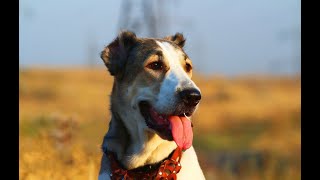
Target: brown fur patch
{"type": "Point", "coordinates": [115, 54]}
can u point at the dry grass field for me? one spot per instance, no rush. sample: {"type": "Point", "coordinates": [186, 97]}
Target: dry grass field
{"type": "Point", "coordinates": [246, 127]}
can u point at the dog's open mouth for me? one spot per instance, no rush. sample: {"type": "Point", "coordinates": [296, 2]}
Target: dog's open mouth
{"type": "Point", "coordinates": [169, 127]}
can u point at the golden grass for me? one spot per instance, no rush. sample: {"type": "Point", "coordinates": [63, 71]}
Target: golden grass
{"type": "Point", "coordinates": [64, 115]}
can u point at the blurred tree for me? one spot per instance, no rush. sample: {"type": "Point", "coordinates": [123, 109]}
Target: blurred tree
{"type": "Point", "coordinates": [143, 17]}
{"type": "Point", "coordinates": [293, 36]}
{"type": "Point", "coordinates": [92, 49]}
{"type": "Point", "coordinates": [25, 10]}
{"type": "Point", "coordinates": [297, 43]}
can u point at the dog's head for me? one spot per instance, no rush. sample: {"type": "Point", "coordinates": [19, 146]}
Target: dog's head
{"type": "Point", "coordinates": [153, 89]}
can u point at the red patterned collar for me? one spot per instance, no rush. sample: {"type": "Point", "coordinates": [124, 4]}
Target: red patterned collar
{"type": "Point", "coordinates": [166, 169]}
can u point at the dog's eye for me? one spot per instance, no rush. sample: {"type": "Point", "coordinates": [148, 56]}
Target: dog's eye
{"type": "Point", "coordinates": [155, 66]}
{"type": "Point", "coordinates": [188, 67]}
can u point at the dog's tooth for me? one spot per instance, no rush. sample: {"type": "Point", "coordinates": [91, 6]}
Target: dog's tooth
{"type": "Point", "coordinates": [186, 116]}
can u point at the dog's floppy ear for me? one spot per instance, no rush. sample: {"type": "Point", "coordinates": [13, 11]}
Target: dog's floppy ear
{"type": "Point", "coordinates": [116, 53]}
{"type": "Point", "coordinates": [178, 39]}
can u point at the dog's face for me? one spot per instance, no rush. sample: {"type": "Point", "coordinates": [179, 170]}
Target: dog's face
{"type": "Point", "coordinates": [153, 83]}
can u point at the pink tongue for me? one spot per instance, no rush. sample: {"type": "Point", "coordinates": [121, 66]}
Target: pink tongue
{"type": "Point", "coordinates": [181, 131]}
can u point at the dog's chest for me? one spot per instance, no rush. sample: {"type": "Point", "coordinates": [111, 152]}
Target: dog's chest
{"type": "Point", "coordinates": [190, 168]}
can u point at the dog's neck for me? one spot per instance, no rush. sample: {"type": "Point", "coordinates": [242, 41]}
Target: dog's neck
{"type": "Point", "coordinates": [133, 149]}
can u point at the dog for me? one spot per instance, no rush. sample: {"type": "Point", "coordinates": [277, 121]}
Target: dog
{"type": "Point", "coordinates": [152, 100]}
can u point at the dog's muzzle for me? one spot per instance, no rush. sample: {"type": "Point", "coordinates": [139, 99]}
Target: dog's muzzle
{"type": "Point", "coordinates": [190, 97]}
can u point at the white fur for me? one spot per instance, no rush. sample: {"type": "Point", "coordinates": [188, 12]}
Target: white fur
{"type": "Point", "coordinates": [153, 151]}
{"type": "Point", "coordinates": [190, 166]}
{"type": "Point", "coordinates": [174, 77]}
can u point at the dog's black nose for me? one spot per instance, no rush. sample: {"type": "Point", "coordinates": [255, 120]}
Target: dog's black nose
{"type": "Point", "coordinates": [190, 97]}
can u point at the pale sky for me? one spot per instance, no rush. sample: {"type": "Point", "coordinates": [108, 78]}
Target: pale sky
{"type": "Point", "coordinates": [223, 36]}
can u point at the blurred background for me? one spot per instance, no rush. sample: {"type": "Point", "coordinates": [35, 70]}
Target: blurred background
{"type": "Point", "coordinates": [247, 63]}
